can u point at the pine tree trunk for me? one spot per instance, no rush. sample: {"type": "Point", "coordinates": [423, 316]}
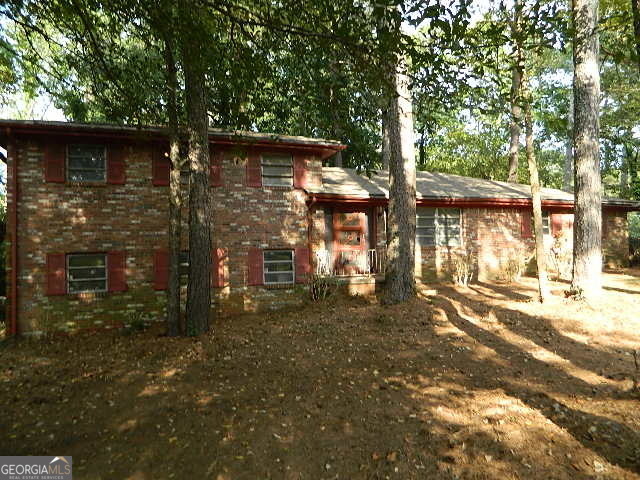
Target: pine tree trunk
{"type": "Point", "coordinates": [386, 154]}
{"type": "Point", "coordinates": [567, 171]}
{"type": "Point", "coordinates": [514, 125]}
{"type": "Point", "coordinates": [587, 244]}
{"type": "Point", "coordinates": [536, 197]}
{"type": "Point", "coordinates": [516, 87]}
{"type": "Point", "coordinates": [400, 283]}
{"type": "Point", "coordinates": [175, 198]}
{"type": "Point", "coordinates": [199, 285]}
{"type": "Point", "coordinates": [635, 7]}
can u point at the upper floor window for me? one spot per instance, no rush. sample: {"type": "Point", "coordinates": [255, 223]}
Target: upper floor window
{"type": "Point", "coordinates": [86, 273]}
{"type": "Point", "coordinates": [277, 170]}
{"type": "Point", "coordinates": [438, 226]}
{"type": "Point", "coordinates": [86, 163]}
{"type": "Point", "coordinates": [278, 267]}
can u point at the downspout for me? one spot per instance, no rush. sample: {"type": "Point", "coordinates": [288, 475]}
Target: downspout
{"type": "Point", "coordinates": [11, 154]}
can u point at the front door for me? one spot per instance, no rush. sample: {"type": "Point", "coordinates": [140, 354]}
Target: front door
{"type": "Point", "coordinates": [349, 242]}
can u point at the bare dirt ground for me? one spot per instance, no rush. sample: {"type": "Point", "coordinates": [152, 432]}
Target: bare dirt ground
{"type": "Point", "coordinates": [477, 382]}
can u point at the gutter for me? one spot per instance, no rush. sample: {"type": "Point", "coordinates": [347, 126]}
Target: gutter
{"type": "Point", "coordinates": [464, 202]}
{"type": "Point", "coordinates": [11, 154]}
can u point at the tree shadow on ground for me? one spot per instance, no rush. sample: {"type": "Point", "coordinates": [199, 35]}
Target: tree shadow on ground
{"type": "Point", "coordinates": [528, 370]}
{"type": "Point", "coordinates": [344, 390]}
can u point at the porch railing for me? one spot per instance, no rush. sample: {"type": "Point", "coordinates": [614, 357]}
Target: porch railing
{"type": "Point", "coordinates": [350, 263]}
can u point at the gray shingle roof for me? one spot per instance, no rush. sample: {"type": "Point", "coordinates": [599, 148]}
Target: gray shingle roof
{"type": "Point", "coordinates": [431, 185]}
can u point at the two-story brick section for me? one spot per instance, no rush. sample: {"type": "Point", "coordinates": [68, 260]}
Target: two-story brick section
{"type": "Point", "coordinates": [87, 222]}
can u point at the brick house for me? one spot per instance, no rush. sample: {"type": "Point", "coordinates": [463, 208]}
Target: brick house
{"type": "Point", "coordinates": [88, 223]}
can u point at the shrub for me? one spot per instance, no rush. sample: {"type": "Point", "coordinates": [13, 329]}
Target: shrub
{"type": "Point", "coordinates": [514, 266]}
{"type": "Point", "coordinates": [463, 266]}
{"type": "Point", "coordinates": [322, 286]}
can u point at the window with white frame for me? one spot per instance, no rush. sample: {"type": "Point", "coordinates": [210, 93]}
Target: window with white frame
{"type": "Point", "coordinates": [277, 170]}
{"type": "Point", "coordinates": [546, 223]}
{"type": "Point", "coordinates": [278, 267]}
{"type": "Point", "coordinates": [438, 226]}
{"type": "Point", "coordinates": [86, 163]}
{"type": "Point", "coordinates": [86, 272]}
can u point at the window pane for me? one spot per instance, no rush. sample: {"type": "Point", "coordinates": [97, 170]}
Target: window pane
{"type": "Point", "coordinates": [426, 211]}
{"type": "Point", "coordinates": [285, 160]}
{"type": "Point", "coordinates": [86, 163]}
{"type": "Point", "coordinates": [269, 171]}
{"type": "Point", "coordinates": [87, 260]}
{"type": "Point", "coordinates": [278, 277]}
{"type": "Point", "coordinates": [449, 213]}
{"type": "Point", "coordinates": [425, 221]}
{"type": "Point", "coordinates": [277, 181]}
{"type": "Point", "coordinates": [90, 286]}
{"type": "Point", "coordinates": [86, 273]}
{"type": "Point", "coordinates": [278, 267]}
{"type": "Point", "coordinates": [275, 255]}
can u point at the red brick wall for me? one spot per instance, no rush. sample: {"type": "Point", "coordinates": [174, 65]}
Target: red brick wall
{"type": "Point", "coordinates": [66, 218]}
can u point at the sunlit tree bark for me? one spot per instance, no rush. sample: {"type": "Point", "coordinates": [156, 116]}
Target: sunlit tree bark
{"type": "Point", "coordinates": [587, 245]}
{"type": "Point", "coordinates": [401, 233]}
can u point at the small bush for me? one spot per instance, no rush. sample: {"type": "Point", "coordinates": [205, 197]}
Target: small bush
{"type": "Point", "coordinates": [138, 321]}
{"type": "Point", "coordinates": [514, 266]}
{"type": "Point", "coordinates": [463, 266]}
{"type": "Point", "coordinates": [322, 286]}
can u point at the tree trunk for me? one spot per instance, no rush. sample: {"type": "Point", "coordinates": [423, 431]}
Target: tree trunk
{"type": "Point", "coordinates": [587, 244]}
{"type": "Point", "coordinates": [635, 7]}
{"type": "Point", "coordinates": [386, 154]}
{"type": "Point", "coordinates": [536, 197]}
{"type": "Point", "coordinates": [175, 197]}
{"type": "Point", "coordinates": [567, 172]}
{"type": "Point", "coordinates": [514, 126]}
{"type": "Point", "coordinates": [516, 86]}
{"type": "Point", "coordinates": [199, 285]}
{"type": "Point", "coordinates": [400, 283]}
{"type": "Point", "coordinates": [624, 173]}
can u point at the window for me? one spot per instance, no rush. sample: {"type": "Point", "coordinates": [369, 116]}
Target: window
{"type": "Point", "coordinates": [546, 223]}
{"type": "Point", "coordinates": [86, 163]}
{"type": "Point", "coordinates": [277, 170]}
{"type": "Point", "coordinates": [278, 267]}
{"type": "Point", "coordinates": [183, 266]}
{"type": "Point", "coordinates": [87, 273]}
{"type": "Point", "coordinates": [438, 226]}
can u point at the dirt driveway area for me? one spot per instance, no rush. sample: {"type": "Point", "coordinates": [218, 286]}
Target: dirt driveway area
{"type": "Point", "coordinates": [478, 383]}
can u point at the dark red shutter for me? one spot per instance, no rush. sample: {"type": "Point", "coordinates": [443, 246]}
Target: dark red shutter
{"type": "Point", "coordinates": [254, 264]}
{"type": "Point", "coordinates": [300, 172]}
{"type": "Point", "coordinates": [56, 274]}
{"type": "Point", "coordinates": [254, 172]}
{"type": "Point", "coordinates": [303, 267]}
{"type": "Point", "coordinates": [160, 166]}
{"type": "Point", "coordinates": [218, 261]}
{"type": "Point", "coordinates": [161, 269]}
{"type": "Point", "coordinates": [216, 168]}
{"type": "Point", "coordinates": [557, 220]}
{"type": "Point", "coordinates": [525, 225]}
{"type": "Point", "coordinates": [116, 165]}
{"type": "Point", "coordinates": [55, 155]}
{"type": "Point", "coordinates": [116, 265]}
